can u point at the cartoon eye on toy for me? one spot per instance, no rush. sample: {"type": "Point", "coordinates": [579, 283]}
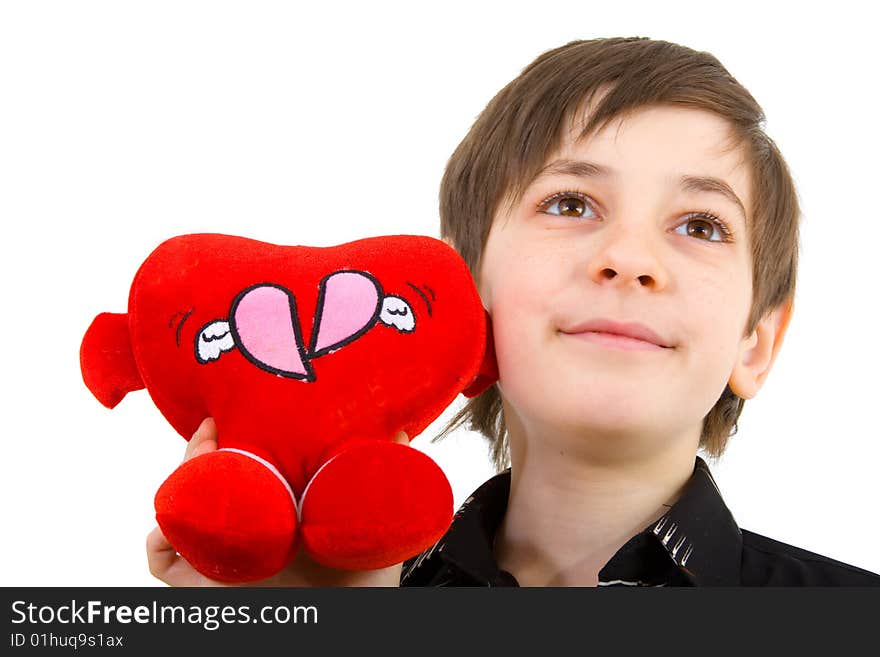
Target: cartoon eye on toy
{"type": "Point", "coordinates": [213, 340]}
{"type": "Point", "coordinates": [397, 313]}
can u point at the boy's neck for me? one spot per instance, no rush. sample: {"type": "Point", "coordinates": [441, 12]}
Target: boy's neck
{"type": "Point", "coordinates": [568, 515]}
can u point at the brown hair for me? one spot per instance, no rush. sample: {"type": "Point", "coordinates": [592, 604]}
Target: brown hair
{"type": "Point", "coordinates": [523, 125]}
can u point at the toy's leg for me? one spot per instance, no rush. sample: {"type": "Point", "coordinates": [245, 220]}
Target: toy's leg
{"type": "Point", "coordinates": [230, 514]}
{"type": "Point", "coordinates": [373, 505]}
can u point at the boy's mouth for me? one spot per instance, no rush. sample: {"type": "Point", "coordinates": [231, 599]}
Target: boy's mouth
{"type": "Point", "coordinates": [627, 335]}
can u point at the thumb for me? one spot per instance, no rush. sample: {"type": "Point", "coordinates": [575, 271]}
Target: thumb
{"type": "Point", "coordinates": [204, 440]}
{"type": "Point", "coordinates": [401, 438]}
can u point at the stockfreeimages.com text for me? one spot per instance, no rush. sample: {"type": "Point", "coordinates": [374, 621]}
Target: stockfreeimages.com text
{"type": "Point", "coordinates": [211, 617]}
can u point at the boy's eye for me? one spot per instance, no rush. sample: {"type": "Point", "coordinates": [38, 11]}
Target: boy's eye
{"type": "Point", "coordinates": [566, 204]}
{"type": "Point", "coordinates": [705, 226]}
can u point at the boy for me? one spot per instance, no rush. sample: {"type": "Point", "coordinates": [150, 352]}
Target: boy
{"type": "Point", "coordinates": [634, 235]}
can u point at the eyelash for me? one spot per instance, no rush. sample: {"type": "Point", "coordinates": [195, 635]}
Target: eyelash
{"type": "Point", "coordinates": [726, 233]}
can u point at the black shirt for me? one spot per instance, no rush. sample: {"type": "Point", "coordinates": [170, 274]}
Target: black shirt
{"type": "Point", "coordinates": [696, 543]}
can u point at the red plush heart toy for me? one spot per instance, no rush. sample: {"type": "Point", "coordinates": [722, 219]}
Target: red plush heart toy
{"type": "Point", "coordinates": [310, 360]}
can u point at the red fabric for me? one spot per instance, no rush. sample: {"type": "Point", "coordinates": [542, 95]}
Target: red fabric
{"type": "Point", "coordinates": [370, 486]}
{"type": "Point", "coordinates": [299, 354]}
{"type": "Point", "coordinates": [229, 516]}
{"type": "Point", "coordinates": [107, 363]}
{"type": "Point", "coordinates": [488, 372]}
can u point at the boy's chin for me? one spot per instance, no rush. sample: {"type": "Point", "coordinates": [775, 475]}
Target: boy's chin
{"type": "Point", "coordinates": [601, 416]}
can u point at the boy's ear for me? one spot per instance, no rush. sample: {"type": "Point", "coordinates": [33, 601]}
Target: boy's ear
{"type": "Point", "coordinates": [759, 350]}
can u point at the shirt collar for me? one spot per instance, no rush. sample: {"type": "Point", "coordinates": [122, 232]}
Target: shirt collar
{"type": "Point", "coordinates": [698, 534]}
{"type": "Point", "coordinates": [469, 543]}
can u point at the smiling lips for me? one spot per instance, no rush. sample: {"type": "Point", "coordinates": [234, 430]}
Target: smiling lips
{"type": "Point", "coordinates": [620, 335]}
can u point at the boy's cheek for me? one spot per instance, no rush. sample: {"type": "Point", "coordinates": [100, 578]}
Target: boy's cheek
{"type": "Point", "coordinates": [522, 345]}
{"type": "Point", "coordinates": [519, 301]}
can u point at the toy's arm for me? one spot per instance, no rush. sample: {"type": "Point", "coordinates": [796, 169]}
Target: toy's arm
{"type": "Point", "coordinates": [107, 362]}
{"type": "Point", "coordinates": [488, 373]}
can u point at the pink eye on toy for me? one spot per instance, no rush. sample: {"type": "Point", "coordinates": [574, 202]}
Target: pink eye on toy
{"type": "Point", "coordinates": [264, 322]}
{"type": "Point", "coordinates": [348, 305]}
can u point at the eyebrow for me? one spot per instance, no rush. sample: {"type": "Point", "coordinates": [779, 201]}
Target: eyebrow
{"type": "Point", "coordinates": [687, 183]}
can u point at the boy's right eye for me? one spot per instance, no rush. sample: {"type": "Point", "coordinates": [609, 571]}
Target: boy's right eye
{"type": "Point", "coordinates": [566, 204]}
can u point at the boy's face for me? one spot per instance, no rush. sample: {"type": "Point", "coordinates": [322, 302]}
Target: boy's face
{"type": "Point", "coordinates": [628, 245]}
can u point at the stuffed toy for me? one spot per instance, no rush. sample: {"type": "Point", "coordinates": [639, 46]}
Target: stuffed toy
{"type": "Point", "coordinates": [310, 360]}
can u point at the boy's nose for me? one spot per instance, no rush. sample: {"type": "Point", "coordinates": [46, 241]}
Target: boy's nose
{"type": "Point", "coordinates": [626, 257]}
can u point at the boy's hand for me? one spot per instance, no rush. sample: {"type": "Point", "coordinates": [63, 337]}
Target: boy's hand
{"type": "Point", "coordinates": [171, 568]}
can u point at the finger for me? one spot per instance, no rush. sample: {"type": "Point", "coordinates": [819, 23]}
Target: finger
{"type": "Point", "coordinates": [401, 437]}
{"type": "Point", "coordinates": [161, 557]}
{"type": "Point", "coordinates": [204, 447]}
{"type": "Point", "coordinates": [207, 431]}
{"type": "Point", "coordinates": [168, 566]}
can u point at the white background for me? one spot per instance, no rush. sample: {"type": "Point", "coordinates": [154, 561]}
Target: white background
{"type": "Point", "coordinates": [124, 123]}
